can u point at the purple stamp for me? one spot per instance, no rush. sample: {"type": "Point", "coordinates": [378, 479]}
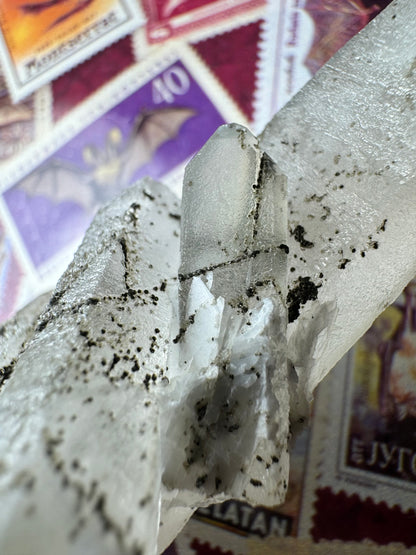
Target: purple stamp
{"type": "Point", "coordinates": [11, 275]}
{"type": "Point", "coordinates": [148, 122]}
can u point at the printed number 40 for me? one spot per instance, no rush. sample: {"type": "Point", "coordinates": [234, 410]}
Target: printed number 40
{"type": "Point", "coordinates": [173, 82]}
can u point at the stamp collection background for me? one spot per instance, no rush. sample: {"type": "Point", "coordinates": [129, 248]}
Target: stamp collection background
{"type": "Point", "coordinates": [142, 105]}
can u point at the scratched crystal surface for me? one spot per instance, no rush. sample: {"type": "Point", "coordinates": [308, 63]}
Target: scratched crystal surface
{"type": "Point", "coordinates": [347, 143]}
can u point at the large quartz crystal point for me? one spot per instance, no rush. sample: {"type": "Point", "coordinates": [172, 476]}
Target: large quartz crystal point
{"type": "Point", "coordinates": [80, 461]}
{"type": "Point", "coordinates": [233, 325]}
{"type": "Point", "coordinates": [347, 143]}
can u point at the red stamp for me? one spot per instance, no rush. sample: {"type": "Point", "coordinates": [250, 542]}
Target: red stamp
{"type": "Point", "coordinates": [172, 18]}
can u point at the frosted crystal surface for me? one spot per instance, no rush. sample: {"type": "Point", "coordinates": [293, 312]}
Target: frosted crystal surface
{"type": "Point", "coordinates": [347, 143]}
{"type": "Point", "coordinates": [16, 332]}
{"type": "Point", "coordinates": [79, 443]}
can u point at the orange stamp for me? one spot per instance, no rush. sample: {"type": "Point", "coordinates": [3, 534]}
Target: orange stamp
{"type": "Point", "coordinates": [41, 39]}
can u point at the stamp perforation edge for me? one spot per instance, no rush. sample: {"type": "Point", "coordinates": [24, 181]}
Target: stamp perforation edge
{"type": "Point", "coordinates": [183, 24]}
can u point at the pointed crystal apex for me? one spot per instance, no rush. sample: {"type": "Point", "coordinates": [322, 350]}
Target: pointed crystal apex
{"type": "Point", "coordinates": [234, 215]}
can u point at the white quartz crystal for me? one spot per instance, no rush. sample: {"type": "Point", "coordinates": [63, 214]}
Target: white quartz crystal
{"type": "Point", "coordinates": [347, 144]}
{"type": "Point", "coordinates": [233, 322]}
{"type": "Point", "coordinates": [80, 453]}
{"type": "Point", "coordinates": [161, 377]}
{"type": "Point", "coordinates": [16, 332]}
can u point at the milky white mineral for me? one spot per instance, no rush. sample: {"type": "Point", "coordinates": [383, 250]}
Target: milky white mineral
{"type": "Point", "coordinates": [80, 434]}
{"type": "Point", "coordinates": [347, 144]}
{"type": "Point", "coordinates": [163, 377]}
{"type": "Point", "coordinates": [232, 334]}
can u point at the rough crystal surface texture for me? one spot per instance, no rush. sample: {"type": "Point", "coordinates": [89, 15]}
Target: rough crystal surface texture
{"type": "Point", "coordinates": [347, 145]}
{"type": "Point", "coordinates": [240, 417]}
{"type": "Point", "coordinates": [157, 380]}
{"type": "Point", "coordinates": [79, 421]}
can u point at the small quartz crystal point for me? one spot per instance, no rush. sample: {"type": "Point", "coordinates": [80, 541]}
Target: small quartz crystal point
{"type": "Point", "coordinates": [232, 332]}
{"type": "Point", "coordinates": [347, 144]}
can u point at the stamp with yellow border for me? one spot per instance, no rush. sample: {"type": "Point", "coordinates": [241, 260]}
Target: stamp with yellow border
{"type": "Point", "coordinates": [41, 39]}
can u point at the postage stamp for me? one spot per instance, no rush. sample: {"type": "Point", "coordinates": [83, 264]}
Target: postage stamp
{"type": "Point", "coordinates": [16, 283]}
{"type": "Point", "coordinates": [76, 85]}
{"type": "Point", "coordinates": [10, 276]}
{"type": "Point", "coordinates": [199, 539]}
{"type": "Point", "coordinates": [41, 39]}
{"type": "Point", "coordinates": [232, 54]}
{"type": "Point", "coordinates": [363, 448]}
{"type": "Point", "coordinates": [17, 123]}
{"type": "Point", "coordinates": [298, 38]}
{"type": "Point", "coordinates": [175, 18]}
{"type": "Point", "coordinates": [148, 122]}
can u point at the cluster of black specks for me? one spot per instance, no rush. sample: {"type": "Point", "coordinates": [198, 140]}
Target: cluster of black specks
{"type": "Point", "coordinates": [200, 481]}
{"type": "Point", "coordinates": [211, 424]}
{"type": "Point", "coordinates": [247, 254]}
{"type": "Point", "coordinates": [299, 235]}
{"type": "Point", "coordinates": [201, 409]}
{"type": "Point", "coordinates": [6, 372]}
{"type": "Point", "coordinates": [195, 451]}
{"type": "Point", "coordinates": [228, 414]}
{"type": "Point", "coordinates": [107, 524]}
{"type": "Point", "coordinates": [327, 212]}
{"type": "Point", "coordinates": [123, 245]}
{"type": "Point", "coordinates": [51, 444]}
{"type": "Point", "coordinates": [241, 303]}
{"type": "Point", "coordinates": [304, 290]}
{"type": "Point", "coordinates": [256, 483]}
{"type": "Point", "coordinates": [293, 145]}
{"type": "Point", "coordinates": [315, 198]}
{"type": "Point", "coordinates": [182, 330]}
{"type": "Point", "coordinates": [154, 345]}
{"type": "Point", "coordinates": [148, 379]}
{"type": "Point", "coordinates": [120, 359]}
{"type": "Point", "coordinates": [372, 243]}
